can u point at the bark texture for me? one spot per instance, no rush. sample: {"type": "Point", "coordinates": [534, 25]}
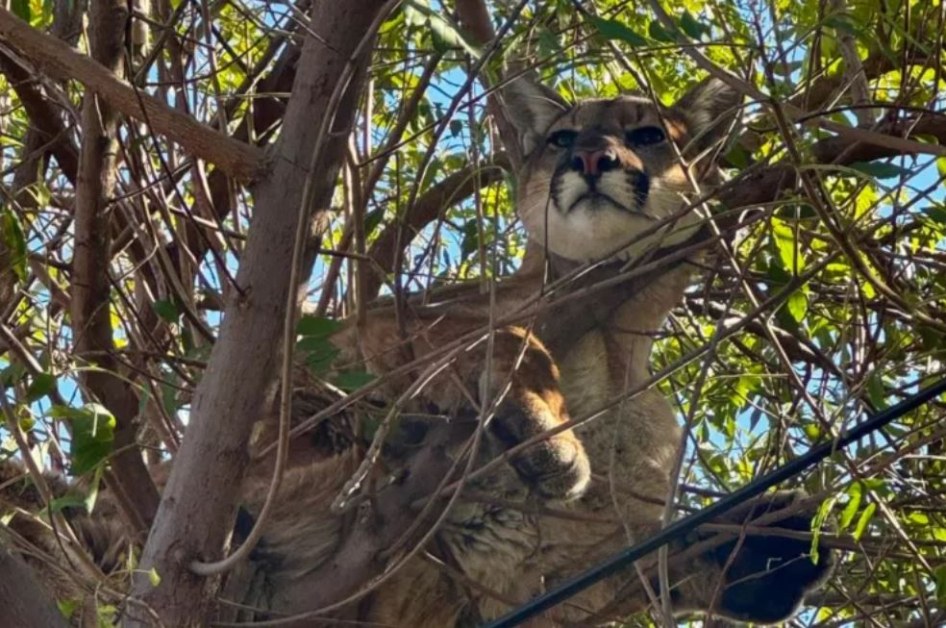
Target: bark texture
{"type": "Point", "coordinates": [22, 598]}
{"type": "Point", "coordinates": [199, 502]}
{"type": "Point", "coordinates": [91, 317]}
{"type": "Point", "coordinates": [57, 59]}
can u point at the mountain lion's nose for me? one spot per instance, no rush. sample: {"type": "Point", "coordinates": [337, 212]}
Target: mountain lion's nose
{"type": "Point", "coordinates": [592, 163]}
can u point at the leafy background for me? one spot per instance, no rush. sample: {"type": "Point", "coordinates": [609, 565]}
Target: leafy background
{"type": "Point", "coordinates": [814, 309]}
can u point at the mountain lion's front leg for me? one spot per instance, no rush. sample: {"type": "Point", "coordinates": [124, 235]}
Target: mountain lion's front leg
{"type": "Point", "coordinates": [556, 466]}
{"type": "Point", "coordinates": [523, 397]}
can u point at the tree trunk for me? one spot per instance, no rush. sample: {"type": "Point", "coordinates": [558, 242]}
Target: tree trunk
{"type": "Point", "coordinates": [197, 509]}
{"type": "Point", "coordinates": [24, 601]}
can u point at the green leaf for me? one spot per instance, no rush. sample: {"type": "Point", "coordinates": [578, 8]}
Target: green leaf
{"type": "Point", "coordinates": [444, 33]}
{"type": "Point", "coordinates": [27, 423]}
{"type": "Point", "coordinates": [737, 156]}
{"type": "Point", "coordinates": [471, 238]}
{"type": "Point", "coordinates": [415, 12]}
{"type": "Point", "coordinates": [744, 388]}
{"type": "Point", "coordinates": [12, 374]}
{"type": "Point", "coordinates": [931, 338]}
{"type": "Point", "coordinates": [21, 9]}
{"type": "Point", "coordinates": [611, 29]}
{"type": "Point", "coordinates": [863, 521]}
{"type": "Point", "coordinates": [93, 432]}
{"type": "Point", "coordinates": [936, 214]}
{"type": "Point", "coordinates": [40, 192]}
{"type": "Point", "coordinates": [14, 241]}
{"type": "Point", "coordinates": [691, 26]}
{"type": "Point", "coordinates": [658, 33]}
{"type": "Point", "coordinates": [153, 577]}
{"type": "Point", "coordinates": [106, 614]}
{"type": "Point", "coordinates": [939, 574]}
{"type": "Point", "coordinates": [547, 43]}
{"type": "Point", "coordinates": [169, 397]}
{"type": "Point", "coordinates": [88, 501]}
{"type": "Point", "coordinates": [791, 257]}
{"type": "Point", "coordinates": [67, 501]}
{"type": "Point", "coordinates": [317, 326]}
{"type": "Point", "coordinates": [42, 385]}
{"type": "Point", "coordinates": [855, 495]}
{"type": "Point", "coordinates": [797, 305]}
{"type": "Point", "coordinates": [353, 380]}
{"type": "Point", "coordinates": [446, 36]}
{"type": "Point", "coordinates": [875, 391]}
{"type": "Point", "coordinates": [841, 23]}
{"type": "Point", "coordinates": [373, 219]}
{"type": "Point", "coordinates": [167, 310]}
{"type": "Point", "coordinates": [67, 607]}
{"type": "Point", "coordinates": [787, 69]}
{"type": "Point", "coordinates": [817, 522]}
{"type": "Point", "coordinates": [319, 353]}
{"type": "Point", "coordinates": [880, 170]}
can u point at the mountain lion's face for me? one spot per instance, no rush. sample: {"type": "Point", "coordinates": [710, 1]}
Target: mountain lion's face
{"type": "Point", "coordinates": [600, 173]}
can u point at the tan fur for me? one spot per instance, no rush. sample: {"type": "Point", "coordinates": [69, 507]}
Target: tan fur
{"type": "Point", "coordinates": [631, 447]}
{"type": "Point", "coordinates": [613, 470]}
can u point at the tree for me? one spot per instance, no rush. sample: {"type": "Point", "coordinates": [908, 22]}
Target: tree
{"type": "Point", "coordinates": [156, 176]}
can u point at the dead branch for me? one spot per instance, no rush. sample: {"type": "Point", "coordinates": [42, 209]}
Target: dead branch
{"type": "Point", "coordinates": [474, 17]}
{"type": "Point", "coordinates": [429, 207]}
{"type": "Point", "coordinates": [58, 60]}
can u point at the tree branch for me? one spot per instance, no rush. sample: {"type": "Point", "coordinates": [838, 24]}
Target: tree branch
{"type": "Point", "coordinates": [766, 184]}
{"type": "Point", "coordinates": [474, 17]}
{"type": "Point", "coordinates": [266, 112]}
{"type": "Point", "coordinates": [44, 117]}
{"type": "Point", "coordinates": [91, 292]}
{"type": "Point", "coordinates": [47, 133]}
{"type": "Point", "coordinates": [429, 206]}
{"type": "Point", "coordinates": [57, 59]}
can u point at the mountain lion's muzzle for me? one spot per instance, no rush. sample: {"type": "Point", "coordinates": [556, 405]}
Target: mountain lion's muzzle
{"type": "Point", "coordinates": [598, 171]}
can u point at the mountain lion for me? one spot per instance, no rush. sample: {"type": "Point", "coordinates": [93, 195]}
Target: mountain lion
{"type": "Point", "coordinates": [603, 181]}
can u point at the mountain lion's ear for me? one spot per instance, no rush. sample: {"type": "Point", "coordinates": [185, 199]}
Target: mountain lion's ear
{"type": "Point", "coordinates": [532, 108]}
{"type": "Point", "coordinates": [709, 109]}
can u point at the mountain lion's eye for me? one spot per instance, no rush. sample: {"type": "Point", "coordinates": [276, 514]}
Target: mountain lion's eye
{"type": "Point", "coordinates": [646, 136]}
{"type": "Point", "coordinates": [563, 139]}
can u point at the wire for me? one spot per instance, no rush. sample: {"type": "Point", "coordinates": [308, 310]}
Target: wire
{"type": "Point", "coordinates": [684, 526]}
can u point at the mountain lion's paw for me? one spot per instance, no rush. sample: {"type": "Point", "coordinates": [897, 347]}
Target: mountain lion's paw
{"type": "Point", "coordinates": [556, 467]}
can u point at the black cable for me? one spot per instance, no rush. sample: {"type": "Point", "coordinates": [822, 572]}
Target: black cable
{"type": "Point", "coordinates": [684, 526]}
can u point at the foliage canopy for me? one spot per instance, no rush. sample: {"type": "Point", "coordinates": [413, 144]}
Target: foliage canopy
{"type": "Point", "coordinates": [818, 304]}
